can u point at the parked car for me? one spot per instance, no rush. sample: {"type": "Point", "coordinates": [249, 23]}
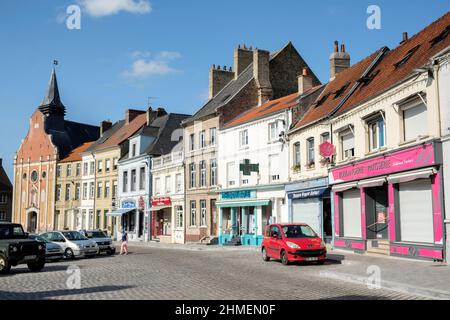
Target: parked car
{"type": "Point", "coordinates": [293, 242]}
{"type": "Point", "coordinates": [16, 248]}
{"type": "Point", "coordinates": [74, 244]}
{"type": "Point", "coordinates": [104, 242]}
{"type": "Point", "coordinates": [53, 251]}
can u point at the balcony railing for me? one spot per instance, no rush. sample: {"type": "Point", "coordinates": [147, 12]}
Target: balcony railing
{"type": "Point", "coordinates": [166, 160]}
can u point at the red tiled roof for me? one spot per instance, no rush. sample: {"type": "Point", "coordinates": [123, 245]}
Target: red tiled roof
{"type": "Point", "coordinates": [75, 154]}
{"type": "Point", "coordinates": [394, 67]}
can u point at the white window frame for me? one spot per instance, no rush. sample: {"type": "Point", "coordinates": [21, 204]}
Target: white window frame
{"type": "Point", "coordinates": [193, 221]}
{"type": "Point", "coordinates": [243, 138]}
{"type": "Point", "coordinates": [344, 154]}
{"type": "Point", "coordinates": [203, 213]}
{"type": "Point", "coordinates": [212, 136]}
{"type": "Point", "coordinates": [202, 166]}
{"type": "Point", "coordinates": [202, 139]}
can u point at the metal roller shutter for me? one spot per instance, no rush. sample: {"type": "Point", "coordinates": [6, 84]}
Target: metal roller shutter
{"type": "Point", "coordinates": [307, 211]}
{"type": "Point", "coordinates": [416, 211]}
{"type": "Point", "coordinates": [351, 212]}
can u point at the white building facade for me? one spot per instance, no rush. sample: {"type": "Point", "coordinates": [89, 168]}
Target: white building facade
{"type": "Point", "coordinates": [85, 217]}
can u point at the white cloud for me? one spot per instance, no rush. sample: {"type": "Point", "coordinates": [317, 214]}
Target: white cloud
{"type": "Point", "coordinates": [101, 8]}
{"type": "Point", "coordinates": [147, 64]}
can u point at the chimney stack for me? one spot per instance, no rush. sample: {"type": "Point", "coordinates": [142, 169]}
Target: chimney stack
{"type": "Point", "coordinates": [149, 115]}
{"type": "Point", "coordinates": [305, 81]}
{"type": "Point", "coordinates": [261, 73]}
{"type": "Point", "coordinates": [105, 126]}
{"type": "Point", "coordinates": [131, 114]}
{"type": "Point", "coordinates": [339, 61]}
{"type": "Point", "coordinates": [218, 79]}
{"type": "Point", "coordinates": [404, 37]}
{"type": "Point", "coordinates": [243, 57]}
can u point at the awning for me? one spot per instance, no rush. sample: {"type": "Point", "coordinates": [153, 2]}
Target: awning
{"type": "Point", "coordinates": [377, 182]}
{"type": "Point", "coordinates": [242, 203]}
{"type": "Point", "coordinates": [344, 186]}
{"type": "Point", "coordinates": [120, 212]}
{"type": "Point", "coordinates": [411, 175]}
{"type": "Point", "coordinates": [157, 208]}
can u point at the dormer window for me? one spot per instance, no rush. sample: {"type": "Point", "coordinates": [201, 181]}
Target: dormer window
{"type": "Point", "coordinates": [133, 150]}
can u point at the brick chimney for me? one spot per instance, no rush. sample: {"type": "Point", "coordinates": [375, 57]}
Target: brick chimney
{"type": "Point", "coordinates": [150, 115]}
{"type": "Point", "coordinates": [105, 126]}
{"type": "Point", "coordinates": [261, 73]}
{"type": "Point", "coordinates": [404, 37]}
{"type": "Point", "coordinates": [131, 114]}
{"type": "Point", "coordinates": [218, 79]}
{"type": "Point", "coordinates": [339, 61]}
{"type": "Point", "coordinates": [305, 81]}
{"type": "Point", "coordinates": [243, 57]}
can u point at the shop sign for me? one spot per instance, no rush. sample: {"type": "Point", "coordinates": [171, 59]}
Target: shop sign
{"type": "Point", "coordinates": [408, 159]}
{"type": "Point", "coordinates": [247, 168]}
{"type": "Point", "coordinates": [308, 194]}
{"type": "Point", "coordinates": [326, 149]}
{"type": "Point", "coordinates": [164, 201]}
{"type": "Point", "coordinates": [242, 194]}
{"type": "Point", "coordinates": [128, 204]}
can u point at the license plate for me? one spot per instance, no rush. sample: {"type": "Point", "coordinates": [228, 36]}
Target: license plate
{"type": "Point", "coordinates": [29, 257]}
{"type": "Point", "coordinates": [312, 259]}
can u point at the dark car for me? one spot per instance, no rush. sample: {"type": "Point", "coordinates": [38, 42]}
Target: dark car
{"type": "Point", "coordinates": [53, 251]}
{"type": "Point", "coordinates": [16, 248]}
{"type": "Point", "coordinates": [104, 242]}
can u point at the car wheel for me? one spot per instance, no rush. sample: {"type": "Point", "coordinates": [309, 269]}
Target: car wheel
{"type": "Point", "coordinates": [69, 254]}
{"type": "Point", "coordinates": [265, 257]}
{"type": "Point", "coordinates": [110, 252]}
{"type": "Point", "coordinates": [37, 266]}
{"type": "Point", "coordinates": [4, 265]}
{"type": "Point", "coordinates": [284, 258]}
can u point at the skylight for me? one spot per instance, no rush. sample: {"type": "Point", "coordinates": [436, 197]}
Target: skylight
{"type": "Point", "coordinates": [441, 36]}
{"type": "Point", "coordinates": [406, 57]}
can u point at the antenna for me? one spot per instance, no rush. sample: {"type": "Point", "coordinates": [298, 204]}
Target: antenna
{"type": "Point", "coordinates": [149, 101]}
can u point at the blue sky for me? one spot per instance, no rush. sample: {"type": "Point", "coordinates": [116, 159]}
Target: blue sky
{"type": "Point", "coordinates": [129, 50]}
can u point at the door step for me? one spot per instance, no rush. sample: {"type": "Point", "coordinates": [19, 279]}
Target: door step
{"type": "Point", "coordinates": [378, 247]}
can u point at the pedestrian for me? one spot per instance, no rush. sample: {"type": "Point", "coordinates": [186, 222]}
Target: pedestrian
{"type": "Point", "coordinates": [124, 246]}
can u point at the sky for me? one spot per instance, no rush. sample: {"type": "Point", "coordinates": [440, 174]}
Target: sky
{"type": "Point", "coordinates": [128, 53]}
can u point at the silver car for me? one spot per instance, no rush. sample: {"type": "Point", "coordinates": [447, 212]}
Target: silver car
{"type": "Point", "coordinates": [74, 244]}
{"type": "Point", "coordinates": [53, 251]}
{"type": "Point", "coordinates": [104, 242]}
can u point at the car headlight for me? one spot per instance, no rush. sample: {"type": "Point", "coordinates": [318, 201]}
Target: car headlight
{"type": "Point", "coordinates": [40, 247]}
{"type": "Point", "coordinates": [13, 248]}
{"type": "Point", "coordinates": [292, 245]}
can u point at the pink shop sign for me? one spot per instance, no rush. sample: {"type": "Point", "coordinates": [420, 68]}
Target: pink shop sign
{"type": "Point", "coordinates": [407, 159]}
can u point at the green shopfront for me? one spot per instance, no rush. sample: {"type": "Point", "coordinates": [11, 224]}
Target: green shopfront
{"type": "Point", "coordinates": [242, 217]}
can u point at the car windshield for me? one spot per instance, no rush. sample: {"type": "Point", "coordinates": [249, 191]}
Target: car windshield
{"type": "Point", "coordinates": [96, 234]}
{"type": "Point", "coordinates": [11, 232]}
{"type": "Point", "coordinates": [73, 235]}
{"type": "Point", "coordinates": [300, 231]}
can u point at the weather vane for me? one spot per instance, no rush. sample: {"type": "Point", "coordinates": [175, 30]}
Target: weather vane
{"type": "Point", "coordinates": [55, 62]}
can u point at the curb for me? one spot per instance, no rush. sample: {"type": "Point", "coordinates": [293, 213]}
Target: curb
{"type": "Point", "coordinates": [389, 285]}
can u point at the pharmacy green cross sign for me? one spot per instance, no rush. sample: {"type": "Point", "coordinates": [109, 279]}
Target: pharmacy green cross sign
{"type": "Point", "coordinates": [247, 168]}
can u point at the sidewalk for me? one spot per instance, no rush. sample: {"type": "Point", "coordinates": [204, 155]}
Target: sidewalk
{"type": "Point", "coordinates": [423, 278]}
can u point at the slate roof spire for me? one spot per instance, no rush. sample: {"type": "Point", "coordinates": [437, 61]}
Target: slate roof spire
{"type": "Point", "coordinates": [52, 105]}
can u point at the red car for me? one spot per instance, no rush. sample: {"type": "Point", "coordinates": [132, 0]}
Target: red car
{"type": "Point", "coordinates": [293, 242]}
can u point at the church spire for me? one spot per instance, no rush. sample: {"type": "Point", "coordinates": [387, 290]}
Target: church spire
{"type": "Point", "coordinates": [52, 105]}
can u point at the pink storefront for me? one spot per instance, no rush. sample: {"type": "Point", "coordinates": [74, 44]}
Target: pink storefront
{"type": "Point", "coordinates": [391, 204]}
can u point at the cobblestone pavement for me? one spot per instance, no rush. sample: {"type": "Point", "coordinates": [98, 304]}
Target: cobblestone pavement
{"type": "Point", "coordinates": [161, 273]}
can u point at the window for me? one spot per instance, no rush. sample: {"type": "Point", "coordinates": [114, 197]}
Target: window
{"type": "Point", "coordinates": [273, 131]}
{"type": "Point", "coordinates": [125, 181]}
{"type": "Point", "coordinates": [115, 164]}
{"type": "Point", "coordinates": [67, 194]}
{"type": "Point", "coordinates": [203, 173]}
{"type": "Point", "coordinates": [325, 137]}
{"type": "Point", "coordinates": [230, 174]}
{"type": "Point", "coordinates": [193, 213]}
{"type": "Point", "coordinates": [105, 219]}
{"type": "Point", "coordinates": [85, 169]}
{"type": "Point", "coordinates": [203, 212]}
{"type": "Point", "coordinates": [213, 172]}
{"type": "Point", "coordinates": [192, 175]}
{"type": "Point", "coordinates": [2, 215]}
{"type": "Point", "coordinates": [243, 138]}
{"type": "Point", "coordinates": [179, 217]}
{"type": "Point", "coordinates": [212, 135]}
{"type": "Point", "coordinates": [3, 198]}
{"type": "Point", "coordinates": [100, 166]}
{"type": "Point", "coordinates": [91, 190]}
{"type": "Point", "coordinates": [192, 142]}
{"type": "Point", "coordinates": [98, 219]}
{"type": "Point", "coordinates": [58, 171]}
{"type": "Point", "coordinates": [157, 186]}
{"type": "Point", "coordinates": [108, 165]}
{"type": "Point", "coordinates": [77, 191]}
{"type": "Point", "coordinates": [58, 192]}
{"type": "Point", "coordinates": [114, 190]}
{"type": "Point", "coordinates": [274, 168]}
{"type": "Point", "coordinates": [107, 189]}
{"type": "Point", "coordinates": [133, 150]}
{"type": "Point", "coordinates": [178, 182]}
{"type": "Point", "coordinates": [69, 170]}
{"type": "Point", "coordinates": [347, 141]}
{"type": "Point", "coordinates": [376, 133]}
{"type": "Point", "coordinates": [142, 178]}
{"type": "Point", "coordinates": [415, 122]}
{"type": "Point", "coordinates": [297, 158]}
{"type": "Point", "coordinates": [202, 141]}
{"type": "Point", "coordinates": [99, 190]}
{"type": "Point", "coordinates": [78, 170]}
{"type": "Point", "coordinates": [133, 180]}
{"type": "Point", "coordinates": [92, 168]}
{"type": "Point", "coordinates": [310, 151]}
{"type": "Point", "coordinates": [351, 212]}
{"type": "Point", "coordinates": [168, 184]}
{"type": "Point", "coordinates": [85, 191]}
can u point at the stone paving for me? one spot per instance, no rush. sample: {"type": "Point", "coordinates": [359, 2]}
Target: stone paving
{"type": "Point", "coordinates": [152, 272]}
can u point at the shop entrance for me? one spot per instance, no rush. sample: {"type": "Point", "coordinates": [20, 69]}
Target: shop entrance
{"type": "Point", "coordinates": [326, 212]}
{"type": "Point", "coordinates": [377, 213]}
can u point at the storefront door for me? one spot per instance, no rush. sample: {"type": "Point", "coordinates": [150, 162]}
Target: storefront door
{"type": "Point", "coordinates": [377, 212]}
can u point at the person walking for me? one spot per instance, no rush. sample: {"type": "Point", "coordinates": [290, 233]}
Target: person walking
{"type": "Point", "coordinates": [124, 245]}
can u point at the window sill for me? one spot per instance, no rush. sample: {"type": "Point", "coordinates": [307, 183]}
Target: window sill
{"type": "Point", "coordinates": [244, 147]}
{"type": "Point", "coordinates": [410, 141]}
{"type": "Point", "coordinates": [203, 227]}
{"type": "Point", "coordinates": [376, 151]}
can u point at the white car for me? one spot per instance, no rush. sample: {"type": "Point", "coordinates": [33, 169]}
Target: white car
{"type": "Point", "coordinates": [74, 244]}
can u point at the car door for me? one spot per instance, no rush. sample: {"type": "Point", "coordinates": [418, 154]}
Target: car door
{"type": "Point", "coordinates": [276, 241]}
{"type": "Point", "coordinates": [59, 239]}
